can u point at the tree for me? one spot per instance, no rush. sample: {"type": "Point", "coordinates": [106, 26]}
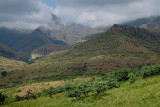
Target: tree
{"type": "Point", "coordinates": [122, 74]}
{"type": "Point", "coordinates": [2, 98]}
{"type": "Point", "coordinates": [3, 73]}
{"type": "Point", "coordinates": [132, 78]}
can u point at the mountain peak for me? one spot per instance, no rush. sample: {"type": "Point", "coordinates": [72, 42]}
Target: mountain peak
{"type": "Point", "coordinates": [138, 32]}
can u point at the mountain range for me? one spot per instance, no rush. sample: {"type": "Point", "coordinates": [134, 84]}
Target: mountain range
{"type": "Point", "coordinates": [120, 47]}
{"type": "Point", "coordinates": [58, 32]}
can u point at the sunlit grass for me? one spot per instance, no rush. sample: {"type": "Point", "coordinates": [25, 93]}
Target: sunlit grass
{"type": "Point", "coordinates": [143, 93]}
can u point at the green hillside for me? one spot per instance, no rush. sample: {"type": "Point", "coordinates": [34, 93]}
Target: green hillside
{"type": "Point", "coordinates": [7, 52]}
{"type": "Point", "coordinates": [6, 63]}
{"type": "Point", "coordinates": [109, 52]}
{"type": "Point", "coordinates": [142, 93]}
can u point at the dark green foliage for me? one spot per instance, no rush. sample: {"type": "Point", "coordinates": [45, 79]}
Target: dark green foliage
{"type": "Point", "coordinates": [59, 89]}
{"type": "Point", "coordinates": [150, 70]}
{"type": "Point", "coordinates": [73, 93]}
{"type": "Point", "coordinates": [122, 74]}
{"type": "Point", "coordinates": [19, 98]}
{"type": "Point", "coordinates": [2, 98]}
{"type": "Point", "coordinates": [85, 87]}
{"type": "Point", "coordinates": [99, 87]}
{"type": "Point", "coordinates": [49, 91]}
{"type": "Point", "coordinates": [69, 86]}
{"type": "Point", "coordinates": [132, 77]}
{"type": "Point", "coordinates": [112, 83]}
{"type": "Point", "coordinates": [3, 73]}
{"type": "Point", "coordinates": [72, 90]}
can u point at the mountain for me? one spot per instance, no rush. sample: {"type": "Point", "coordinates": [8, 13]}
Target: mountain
{"type": "Point", "coordinates": [47, 49]}
{"type": "Point", "coordinates": [149, 22]}
{"type": "Point", "coordinates": [68, 32]}
{"type": "Point", "coordinates": [33, 41]}
{"type": "Point", "coordinates": [9, 37]}
{"type": "Point", "coordinates": [58, 32]}
{"type": "Point", "coordinates": [7, 52]}
{"type": "Point", "coordinates": [120, 47]}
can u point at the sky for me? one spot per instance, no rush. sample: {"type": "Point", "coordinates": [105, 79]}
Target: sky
{"type": "Point", "coordinates": [30, 14]}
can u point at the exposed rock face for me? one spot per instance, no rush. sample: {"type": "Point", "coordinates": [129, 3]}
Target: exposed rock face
{"type": "Point", "coordinates": [67, 32]}
{"type": "Point", "coordinates": [46, 49]}
{"type": "Point", "coordinates": [138, 32]}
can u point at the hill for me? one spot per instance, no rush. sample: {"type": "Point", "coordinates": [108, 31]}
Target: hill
{"type": "Point", "coordinates": [7, 52]}
{"type": "Point", "coordinates": [33, 41]}
{"type": "Point", "coordinates": [150, 22]}
{"type": "Point", "coordinates": [120, 47]}
{"type": "Point", "coordinates": [6, 63]}
{"type": "Point", "coordinates": [47, 49]}
{"type": "Point", "coordinates": [142, 93]}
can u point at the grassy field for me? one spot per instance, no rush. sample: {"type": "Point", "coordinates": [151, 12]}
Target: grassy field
{"type": "Point", "coordinates": [142, 93]}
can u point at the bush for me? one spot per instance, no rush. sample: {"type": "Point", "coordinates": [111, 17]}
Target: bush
{"type": "Point", "coordinates": [112, 83]}
{"type": "Point", "coordinates": [59, 89]}
{"type": "Point", "coordinates": [99, 87]}
{"type": "Point", "coordinates": [122, 74]}
{"type": "Point", "coordinates": [2, 98]}
{"type": "Point", "coordinates": [150, 71]}
{"type": "Point", "coordinates": [69, 86]}
{"type": "Point", "coordinates": [19, 98]}
{"type": "Point", "coordinates": [132, 78]}
{"type": "Point", "coordinates": [73, 93]}
{"type": "Point", "coordinates": [84, 87]}
{"type": "Point", "coordinates": [3, 73]}
{"type": "Point", "coordinates": [49, 91]}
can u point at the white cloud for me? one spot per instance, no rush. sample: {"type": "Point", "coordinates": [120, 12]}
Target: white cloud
{"type": "Point", "coordinates": [106, 12]}
{"type": "Point", "coordinates": [28, 14]}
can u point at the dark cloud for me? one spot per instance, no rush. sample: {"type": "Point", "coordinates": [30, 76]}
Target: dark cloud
{"type": "Point", "coordinates": [106, 12]}
{"type": "Point", "coordinates": [24, 13]}
{"type": "Point", "coordinates": [84, 3]}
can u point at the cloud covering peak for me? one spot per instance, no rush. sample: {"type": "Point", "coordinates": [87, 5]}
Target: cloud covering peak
{"type": "Point", "coordinates": [27, 14]}
{"type": "Point", "coordinates": [106, 12]}
{"type": "Point", "coordinates": [31, 14]}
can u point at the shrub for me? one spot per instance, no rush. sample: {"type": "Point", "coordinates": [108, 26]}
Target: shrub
{"type": "Point", "coordinates": [150, 71]}
{"type": "Point", "coordinates": [84, 87]}
{"type": "Point", "coordinates": [73, 93]}
{"type": "Point", "coordinates": [69, 86]}
{"type": "Point", "coordinates": [99, 87]}
{"type": "Point", "coordinates": [49, 91]}
{"type": "Point", "coordinates": [19, 98]}
{"type": "Point", "coordinates": [2, 98]}
{"type": "Point", "coordinates": [3, 73]}
{"type": "Point", "coordinates": [59, 89]}
{"type": "Point", "coordinates": [112, 83]}
{"type": "Point", "coordinates": [132, 77]}
{"type": "Point", "coordinates": [122, 74]}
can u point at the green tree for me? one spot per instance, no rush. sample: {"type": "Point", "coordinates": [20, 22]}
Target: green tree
{"type": "Point", "coordinates": [3, 73]}
{"type": "Point", "coordinates": [2, 98]}
{"type": "Point", "coordinates": [132, 77]}
{"type": "Point", "coordinates": [122, 74]}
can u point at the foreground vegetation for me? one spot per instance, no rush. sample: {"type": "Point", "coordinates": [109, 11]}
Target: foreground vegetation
{"type": "Point", "coordinates": [124, 88]}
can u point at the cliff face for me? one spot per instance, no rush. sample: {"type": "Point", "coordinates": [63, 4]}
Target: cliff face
{"type": "Point", "coordinates": [138, 32]}
{"type": "Point", "coordinates": [46, 49]}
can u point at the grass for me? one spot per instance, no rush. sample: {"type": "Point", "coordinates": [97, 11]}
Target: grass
{"type": "Point", "coordinates": [142, 93]}
{"type": "Point", "coordinates": [6, 63]}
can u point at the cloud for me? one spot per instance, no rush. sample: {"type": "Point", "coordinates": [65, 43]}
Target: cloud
{"type": "Point", "coordinates": [105, 12]}
{"type": "Point", "coordinates": [24, 13]}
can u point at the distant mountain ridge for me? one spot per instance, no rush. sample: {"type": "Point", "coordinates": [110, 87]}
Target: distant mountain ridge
{"type": "Point", "coordinates": [135, 31]}
{"type": "Point", "coordinates": [148, 22]}
{"type": "Point", "coordinates": [58, 32]}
